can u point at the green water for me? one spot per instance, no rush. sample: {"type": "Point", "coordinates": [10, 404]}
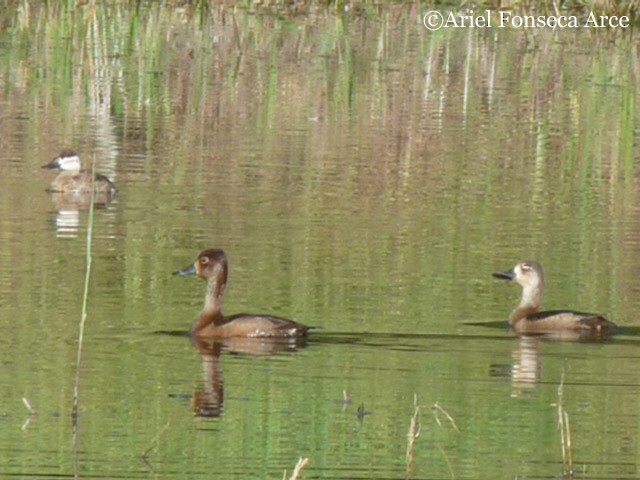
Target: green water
{"type": "Point", "coordinates": [365, 177]}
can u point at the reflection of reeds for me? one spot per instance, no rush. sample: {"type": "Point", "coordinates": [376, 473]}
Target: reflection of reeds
{"type": "Point", "coordinates": [565, 433]}
{"type": "Point", "coordinates": [168, 104]}
{"type": "Point", "coordinates": [229, 80]}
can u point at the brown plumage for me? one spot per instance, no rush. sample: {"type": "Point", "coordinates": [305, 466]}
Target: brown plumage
{"type": "Point", "coordinates": [212, 266]}
{"type": "Point", "coordinates": [73, 180]}
{"type": "Point", "coordinates": [526, 317]}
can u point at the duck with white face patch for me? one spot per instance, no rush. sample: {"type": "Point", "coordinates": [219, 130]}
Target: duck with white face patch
{"type": "Point", "coordinates": [73, 180]}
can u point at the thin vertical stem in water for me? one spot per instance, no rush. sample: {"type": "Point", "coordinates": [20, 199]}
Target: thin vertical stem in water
{"type": "Point", "coordinates": [565, 432]}
{"type": "Point", "coordinates": [412, 436]}
{"type": "Point", "coordinates": [85, 296]}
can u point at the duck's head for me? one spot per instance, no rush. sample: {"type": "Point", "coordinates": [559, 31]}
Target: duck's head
{"type": "Point", "coordinates": [67, 160]}
{"type": "Point", "coordinates": [527, 274]}
{"type": "Point", "coordinates": [210, 264]}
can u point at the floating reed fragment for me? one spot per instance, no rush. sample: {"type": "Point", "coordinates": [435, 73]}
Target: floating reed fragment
{"type": "Point", "coordinates": [437, 408]}
{"type": "Point", "coordinates": [302, 462]}
{"type": "Point", "coordinates": [345, 400]}
{"type": "Point", "coordinates": [32, 411]}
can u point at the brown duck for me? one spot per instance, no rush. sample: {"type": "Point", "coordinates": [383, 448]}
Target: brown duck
{"type": "Point", "coordinates": [212, 266]}
{"type": "Point", "coordinates": [526, 317]}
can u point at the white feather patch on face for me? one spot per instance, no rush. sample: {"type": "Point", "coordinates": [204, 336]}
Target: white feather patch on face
{"type": "Point", "coordinates": [69, 163]}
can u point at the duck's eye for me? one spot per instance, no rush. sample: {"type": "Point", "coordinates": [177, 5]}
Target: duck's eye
{"type": "Point", "coordinates": [526, 267]}
{"type": "Point", "coordinates": [204, 260]}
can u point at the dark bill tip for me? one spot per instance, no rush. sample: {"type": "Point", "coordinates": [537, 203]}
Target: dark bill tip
{"type": "Point", "coordinates": [508, 275]}
{"type": "Point", "coordinates": [53, 164]}
{"type": "Point", "coordinates": [190, 270]}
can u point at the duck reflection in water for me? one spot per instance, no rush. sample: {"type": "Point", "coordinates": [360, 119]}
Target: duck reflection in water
{"type": "Point", "coordinates": [212, 266]}
{"type": "Point", "coordinates": [526, 369]}
{"type": "Point", "coordinates": [559, 324]}
{"type": "Point", "coordinates": [209, 401]}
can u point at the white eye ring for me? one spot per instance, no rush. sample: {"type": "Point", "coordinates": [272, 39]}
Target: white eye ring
{"type": "Point", "coordinates": [204, 260]}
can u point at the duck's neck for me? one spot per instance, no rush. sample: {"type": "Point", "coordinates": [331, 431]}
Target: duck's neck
{"type": "Point", "coordinates": [529, 304]}
{"type": "Point", "coordinates": [212, 311]}
{"type": "Point", "coordinates": [68, 173]}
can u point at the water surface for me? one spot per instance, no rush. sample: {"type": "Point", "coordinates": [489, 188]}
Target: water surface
{"type": "Point", "coordinates": [365, 177]}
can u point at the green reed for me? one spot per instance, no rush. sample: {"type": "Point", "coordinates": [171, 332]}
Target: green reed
{"type": "Point", "coordinates": [85, 297]}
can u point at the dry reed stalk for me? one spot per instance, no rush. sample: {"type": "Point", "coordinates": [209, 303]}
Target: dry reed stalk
{"type": "Point", "coordinates": [438, 408]}
{"type": "Point", "coordinates": [412, 436]}
{"type": "Point", "coordinates": [32, 411]}
{"type": "Point", "coordinates": [302, 462]}
{"type": "Point", "coordinates": [566, 438]}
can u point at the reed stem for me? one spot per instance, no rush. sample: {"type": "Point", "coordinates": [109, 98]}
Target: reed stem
{"type": "Point", "coordinates": [302, 462]}
{"type": "Point", "coordinates": [85, 296]}
{"type": "Point", "coordinates": [566, 439]}
{"type": "Point", "coordinates": [412, 436]}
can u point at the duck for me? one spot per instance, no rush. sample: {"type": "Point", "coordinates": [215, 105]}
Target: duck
{"type": "Point", "coordinates": [526, 317]}
{"type": "Point", "coordinates": [212, 265]}
{"type": "Point", "coordinates": [73, 180]}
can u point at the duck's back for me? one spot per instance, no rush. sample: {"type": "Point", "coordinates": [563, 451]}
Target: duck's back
{"type": "Point", "coordinates": [81, 183]}
{"type": "Point", "coordinates": [556, 320]}
{"type": "Point", "coordinates": [257, 326]}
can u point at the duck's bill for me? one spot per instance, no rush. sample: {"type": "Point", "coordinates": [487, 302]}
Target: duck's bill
{"type": "Point", "coordinates": [190, 270]}
{"type": "Point", "coordinates": [508, 275]}
{"type": "Point", "coordinates": [53, 164]}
